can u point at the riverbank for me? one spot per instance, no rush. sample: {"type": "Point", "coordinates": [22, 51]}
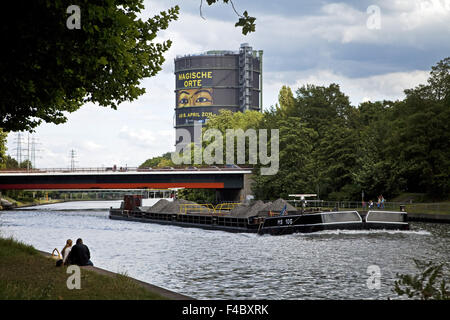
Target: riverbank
{"type": "Point", "coordinates": [8, 203]}
{"type": "Point", "coordinates": [29, 274]}
{"type": "Point", "coordinates": [429, 217]}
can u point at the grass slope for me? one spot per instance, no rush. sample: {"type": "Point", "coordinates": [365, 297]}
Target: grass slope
{"type": "Point", "coordinates": [25, 274]}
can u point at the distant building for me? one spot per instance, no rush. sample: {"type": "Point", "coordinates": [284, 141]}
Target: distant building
{"type": "Point", "coordinates": [208, 82]}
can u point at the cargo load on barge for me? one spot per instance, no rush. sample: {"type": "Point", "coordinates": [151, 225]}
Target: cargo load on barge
{"type": "Point", "coordinates": [276, 218]}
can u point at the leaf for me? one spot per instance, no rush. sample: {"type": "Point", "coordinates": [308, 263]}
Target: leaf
{"type": "Point", "coordinates": [103, 61]}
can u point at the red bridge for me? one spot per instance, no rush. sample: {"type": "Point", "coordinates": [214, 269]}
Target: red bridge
{"type": "Point", "coordinates": [230, 183]}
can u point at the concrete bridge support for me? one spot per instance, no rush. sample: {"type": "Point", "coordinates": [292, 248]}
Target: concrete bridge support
{"type": "Point", "coordinates": [236, 195]}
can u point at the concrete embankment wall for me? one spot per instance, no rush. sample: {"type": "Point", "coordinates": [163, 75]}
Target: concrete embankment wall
{"type": "Point", "coordinates": [428, 217]}
{"type": "Point", "coordinates": [167, 294]}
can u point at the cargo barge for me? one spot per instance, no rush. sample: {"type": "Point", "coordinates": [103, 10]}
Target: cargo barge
{"type": "Point", "coordinates": [205, 217]}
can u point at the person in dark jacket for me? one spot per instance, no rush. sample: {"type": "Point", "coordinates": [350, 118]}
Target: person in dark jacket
{"type": "Point", "coordinates": [80, 254]}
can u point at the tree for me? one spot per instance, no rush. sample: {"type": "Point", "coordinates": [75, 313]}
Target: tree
{"type": "Point", "coordinates": [438, 87]}
{"type": "Point", "coordinates": [198, 195]}
{"type": "Point", "coordinates": [336, 156]}
{"type": "Point", "coordinates": [160, 161]}
{"type": "Point", "coordinates": [26, 164]}
{"type": "Point", "coordinates": [319, 106]}
{"type": "Point", "coordinates": [227, 119]}
{"type": "Point", "coordinates": [286, 101]}
{"type": "Point", "coordinates": [375, 171]}
{"type": "Point", "coordinates": [419, 143]}
{"type": "Point", "coordinates": [295, 173]}
{"type": "Point", "coordinates": [52, 69]}
{"type": "Point", "coordinates": [58, 60]}
{"type": "Point", "coordinates": [329, 147]}
{"type": "Point", "coordinates": [11, 163]}
{"type": "Point", "coordinates": [327, 111]}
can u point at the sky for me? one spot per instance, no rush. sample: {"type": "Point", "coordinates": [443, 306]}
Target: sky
{"type": "Point", "coordinates": [373, 49]}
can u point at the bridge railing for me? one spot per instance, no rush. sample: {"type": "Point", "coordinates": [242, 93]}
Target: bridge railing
{"type": "Point", "coordinates": [438, 208]}
{"type": "Point", "coordinates": [208, 208]}
{"type": "Point", "coordinates": [123, 169]}
{"type": "Point", "coordinates": [186, 208]}
{"type": "Point", "coordinates": [346, 205]}
{"type": "Point", "coordinates": [226, 206]}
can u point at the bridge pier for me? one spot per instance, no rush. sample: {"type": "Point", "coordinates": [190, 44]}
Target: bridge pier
{"type": "Point", "coordinates": [236, 195]}
{"type": "Point", "coordinates": [232, 195]}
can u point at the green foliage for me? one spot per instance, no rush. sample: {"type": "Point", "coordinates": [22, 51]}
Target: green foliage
{"type": "Point", "coordinates": [325, 141]}
{"type": "Point", "coordinates": [296, 167]}
{"type": "Point", "coordinates": [374, 168]}
{"type": "Point", "coordinates": [157, 162]}
{"type": "Point", "coordinates": [10, 247]}
{"type": "Point", "coordinates": [26, 164]}
{"type": "Point", "coordinates": [334, 149]}
{"type": "Point", "coordinates": [11, 163]}
{"type": "Point", "coordinates": [53, 70]}
{"type": "Point", "coordinates": [227, 119]}
{"type": "Point", "coordinates": [319, 106]}
{"type": "Point", "coordinates": [286, 101]}
{"type": "Point", "coordinates": [429, 284]}
{"type": "Point", "coordinates": [245, 21]}
{"type": "Point", "coordinates": [198, 195]}
{"type": "Point", "coordinates": [421, 134]}
{"type": "Point", "coordinates": [232, 120]}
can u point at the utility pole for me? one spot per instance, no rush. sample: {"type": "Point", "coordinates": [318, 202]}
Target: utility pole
{"type": "Point", "coordinates": [28, 153]}
{"type": "Point", "coordinates": [19, 147]}
{"type": "Point", "coordinates": [34, 142]}
{"type": "Point", "coordinates": [26, 149]}
{"type": "Point", "coordinates": [72, 160]}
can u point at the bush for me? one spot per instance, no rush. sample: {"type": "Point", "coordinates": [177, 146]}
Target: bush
{"type": "Point", "coordinates": [429, 284]}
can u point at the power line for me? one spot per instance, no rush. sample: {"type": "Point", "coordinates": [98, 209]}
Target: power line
{"type": "Point", "coordinates": [26, 149]}
{"type": "Point", "coordinates": [72, 160]}
{"type": "Point", "coordinates": [34, 150]}
{"type": "Point", "coordinates": [19, 141]}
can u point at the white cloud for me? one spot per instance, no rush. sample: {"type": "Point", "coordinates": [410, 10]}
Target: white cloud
{"type": "Point", "coordinates": [387, 86]}
{"type": "Point", "coordinates": [401, 22]}
{"type": "Point", "coordinates": [299, 48]}
{"type": "Point", "coordinates": [140, 137]}
{"type": "Point", "coordinates": [91, 146]}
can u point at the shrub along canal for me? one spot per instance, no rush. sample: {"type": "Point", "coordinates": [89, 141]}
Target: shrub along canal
{"type": "Point", "coordinates": [219, 265]}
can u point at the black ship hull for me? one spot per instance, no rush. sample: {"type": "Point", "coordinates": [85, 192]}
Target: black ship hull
{"type": "Point", "coordinates": [278, 225]}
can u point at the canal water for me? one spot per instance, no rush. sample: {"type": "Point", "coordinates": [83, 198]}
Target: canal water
{"type": "Point", "coordinates": [219, 265]}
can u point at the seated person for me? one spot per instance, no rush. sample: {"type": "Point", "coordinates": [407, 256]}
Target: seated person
{"type": "Point", "coordinates": [80, 254]}
{"type": "Point", "coordinates": [66, 250]}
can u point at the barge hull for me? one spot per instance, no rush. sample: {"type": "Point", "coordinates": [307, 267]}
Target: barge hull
{"type": "Point", "coordinates": [185, 224]}
{"type": "Point", "coordinates": [278, 225]}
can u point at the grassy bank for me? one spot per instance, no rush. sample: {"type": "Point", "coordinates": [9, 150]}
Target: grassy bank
{"type": "Point", "coordinates": [27, 203]}
{"type": "Point", "coordinates": [25, 274]}
{"type": "Point", "coordinates": [429, 208]}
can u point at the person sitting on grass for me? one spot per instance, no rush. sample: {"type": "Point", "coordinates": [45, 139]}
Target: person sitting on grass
{"type": "Point", "coordinates": [66, 250]}
{"type": "Point", "coordinates": [80, 254]}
